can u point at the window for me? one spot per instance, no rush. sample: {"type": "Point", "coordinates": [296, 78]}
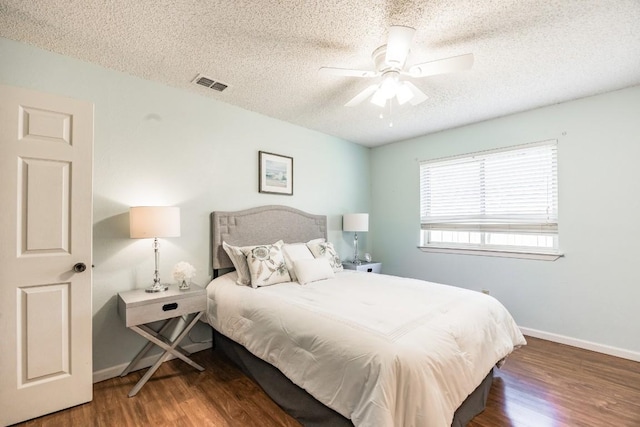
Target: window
{"type": "Point", "coordinates": [501, 201]}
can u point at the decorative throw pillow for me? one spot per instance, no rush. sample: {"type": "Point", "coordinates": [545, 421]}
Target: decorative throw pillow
{"type": "Point", "coordinates": [326, 250]}
{"type": "Point", "coordinates": [312, 270]}
{"type": "Point", "coordinates": [293, 252]}
{"type": "Point", "coordinates": [266, 264]}
{"type": "Point", "coordinates": [239, 260]}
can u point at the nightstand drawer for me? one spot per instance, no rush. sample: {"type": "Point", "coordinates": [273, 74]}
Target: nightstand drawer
{"type": "Point", "coordinates": [139, 307]}
{"type": "Point", "coordinates": [370, 267]}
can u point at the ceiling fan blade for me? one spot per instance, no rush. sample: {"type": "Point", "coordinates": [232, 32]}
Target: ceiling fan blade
{"type": "Point", "coordinates": [361, 96]}
{"type": "Point", "coordinates": [347, 72]}
{"type": "Point", "coordinates": [442, 66]}
{"type": "Point", "coordinates": [418, 95]}
{"type": "Point", "coordinates": [398, 45]}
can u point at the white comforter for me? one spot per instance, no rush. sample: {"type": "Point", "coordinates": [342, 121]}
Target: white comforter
{"type": "Point", "coordinates": [380, 350]}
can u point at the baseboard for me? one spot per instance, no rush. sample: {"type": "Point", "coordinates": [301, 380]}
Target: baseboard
{"type": "Point", "coordinates": [587, 345]}
{"type": "Point", "coordinates": [114, 371]}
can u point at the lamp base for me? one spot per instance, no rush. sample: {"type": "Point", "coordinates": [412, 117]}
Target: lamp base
{"type": "Point", "coordinates": [158, 287]}
{"type": "Point", "coordinates": [356, 258]}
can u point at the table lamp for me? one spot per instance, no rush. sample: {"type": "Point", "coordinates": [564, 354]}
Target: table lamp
{"type": "Point", "coordinates": [355, 222]}
{"type": "Point", "coordinates": [152, 222]}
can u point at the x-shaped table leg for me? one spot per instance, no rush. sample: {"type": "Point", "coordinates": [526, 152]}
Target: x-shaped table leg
{"type": "Point", "coordinates": [170, 347]}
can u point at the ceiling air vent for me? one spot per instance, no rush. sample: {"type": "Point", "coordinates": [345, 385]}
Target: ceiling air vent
{"type": "Point", "coordinates": [210, 83]}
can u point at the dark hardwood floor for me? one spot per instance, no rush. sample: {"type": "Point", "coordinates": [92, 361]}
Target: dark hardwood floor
{"type": "Point", "coordinates": [542, 385]}
{"type": "Point", "coordinates": [550, 384]}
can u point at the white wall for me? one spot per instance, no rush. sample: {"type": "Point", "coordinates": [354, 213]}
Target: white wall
{"type": "Point", "coordinates": [158, 145]}
{"type": "Point", "coordinates": [591, 294]}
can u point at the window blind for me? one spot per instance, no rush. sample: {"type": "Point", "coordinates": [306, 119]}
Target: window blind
{"type": "Point", "coordinates": [512, 190]}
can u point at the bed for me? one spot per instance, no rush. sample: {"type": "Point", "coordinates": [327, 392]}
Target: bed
{"type": "Point", "coordinates": [352, 348]}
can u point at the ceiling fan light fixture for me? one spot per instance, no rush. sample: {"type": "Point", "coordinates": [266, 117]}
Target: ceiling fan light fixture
{"type": "Point", "coordinates": [404, 94]}
{"type": "Point", "coordinates": [379, 99]}
{"type": "Point", "coordinates": [418, 95]}
{"type": "Point", "coordinates": [389, 86]}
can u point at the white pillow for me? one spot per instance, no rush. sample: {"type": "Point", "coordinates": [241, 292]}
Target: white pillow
{"type": "Point", "coordinates": [293, 252]}
{"type": "Point", "coordinates": [326, 250]}
{"type": "Point", "coordinates": [312, 270]}
{"type": "Point", "coordinates": [266, 264]}
{"type": "Point", "coordinates": [239, 260]}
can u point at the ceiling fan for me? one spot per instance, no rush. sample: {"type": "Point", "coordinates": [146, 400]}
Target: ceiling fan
{"type": "Point", "coordinates": [389, 60]}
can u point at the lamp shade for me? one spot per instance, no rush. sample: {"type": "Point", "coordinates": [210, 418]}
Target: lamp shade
{"type": "Point", "coordinates": [154, 221]}
{"type": "Point", "coordinates": [355, 222]}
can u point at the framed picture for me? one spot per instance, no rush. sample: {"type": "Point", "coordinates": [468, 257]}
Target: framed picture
{"type": "Point", "coordinates": [275, 173]}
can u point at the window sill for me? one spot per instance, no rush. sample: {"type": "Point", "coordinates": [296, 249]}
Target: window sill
{"type": "Point", "coordinates": [522, 254]}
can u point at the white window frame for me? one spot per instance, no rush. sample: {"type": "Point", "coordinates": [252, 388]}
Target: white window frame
{"type": "Point", "coordinates": [463, 206]}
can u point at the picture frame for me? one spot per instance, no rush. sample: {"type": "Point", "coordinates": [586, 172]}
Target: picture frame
{"type": "Point", "coordinates": [275, 173]}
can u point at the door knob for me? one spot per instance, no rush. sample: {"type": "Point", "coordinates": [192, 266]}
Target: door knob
{"type": "Point", "coordinates": [79, 267]}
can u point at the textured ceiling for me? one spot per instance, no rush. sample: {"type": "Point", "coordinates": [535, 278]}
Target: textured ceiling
{"type": "Point", "coordinates": [528, 53]}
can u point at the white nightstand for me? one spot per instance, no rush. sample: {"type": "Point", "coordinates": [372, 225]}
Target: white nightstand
{"type": "Point", "coordinates": [369, 267]}
{"type": "Point", "coordinates": [138, 307]}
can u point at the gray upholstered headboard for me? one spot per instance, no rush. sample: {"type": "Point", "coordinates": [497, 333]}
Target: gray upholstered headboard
{"type": "Point", "coordinates": [265, 224]}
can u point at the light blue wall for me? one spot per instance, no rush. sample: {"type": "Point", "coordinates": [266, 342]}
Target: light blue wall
{"type": "Point", "coordinates": [593, 293]}
{"type": "Point", "coordinates": [159, 145]}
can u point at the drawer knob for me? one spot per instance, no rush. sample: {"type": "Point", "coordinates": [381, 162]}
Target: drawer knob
{"type": "Point", "coordinates": [169, 307]}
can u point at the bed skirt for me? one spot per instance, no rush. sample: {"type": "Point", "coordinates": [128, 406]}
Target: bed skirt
{"type": "Point", "coordinates": [304, 407]}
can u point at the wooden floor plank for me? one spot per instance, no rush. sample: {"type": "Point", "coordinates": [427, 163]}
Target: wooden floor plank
{"type": "Point", "coordinates": [544, 384]}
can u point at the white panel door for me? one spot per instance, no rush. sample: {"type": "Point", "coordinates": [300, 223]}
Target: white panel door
{"type": "Point", "coordinates": [46, 161]}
